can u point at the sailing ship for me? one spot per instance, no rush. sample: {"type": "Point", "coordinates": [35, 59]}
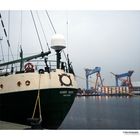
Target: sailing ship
{"type": "Point", "coordinates": [40, 91]}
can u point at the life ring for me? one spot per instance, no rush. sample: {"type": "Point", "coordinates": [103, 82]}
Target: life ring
{"type": "Point", "coordinates": [29, 67]}
{"type": "Point", "coordinates": [62, 81]}
{"type": "Point", "coordinates": [27, 83]}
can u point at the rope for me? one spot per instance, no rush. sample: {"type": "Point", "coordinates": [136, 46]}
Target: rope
{"type": "Point", "coordinates": [38, 101]}
{"type": "Point", "coordinates": [50, 21]}
{"type": "Point", "coordinates": [36, 31]}
{"type": "Point", "coordinates": [5, 33]}
{"type": "Point", "coordinates": [8, 31]}
{"type": "Point", "coordinates": [2, 49]}
{"type": "Point", "coordinates": [20, 36]}
{"type": "Point", "coordinates": [8, 24]}
{"type": "Point", "coordinates": [65, 55]}
{"type": "Point", "coordinates": [21, 28]}
{"type": "Point", "coordinates": [43, 31]}
{"type": "Point", "coordinates": [67, 29]}
{"type": "Point", "coordinates": [20, 32]}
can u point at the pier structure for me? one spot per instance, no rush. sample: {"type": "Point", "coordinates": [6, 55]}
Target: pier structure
{"type": "Point", "coordinates": [111, 90]}
{"type": "Point", "coordinates": [107, 91]}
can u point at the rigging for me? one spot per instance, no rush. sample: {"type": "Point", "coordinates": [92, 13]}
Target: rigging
{"type": "Point", "coordinates": [1, 49]}
{"type": "Point", "coordinates": [43, 31]}
{"type": "Point", "coordinates": [20, 31]}
{"type": "Point", "coordinates": [5, 33]}
{"type": "Point", "coordinates": [36, 30]}
{"type": "Point", "coordinates": [50, 21]}
{"type": "Point", "coordinates": [8, 30]}
{"type": "Point", "coordinates": [19, 48]}
{"type": "Point", "coordinates": [66, 56]}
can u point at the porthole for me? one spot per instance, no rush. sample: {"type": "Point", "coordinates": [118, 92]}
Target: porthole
{"type": "Point", "coordinates": [1, 86]}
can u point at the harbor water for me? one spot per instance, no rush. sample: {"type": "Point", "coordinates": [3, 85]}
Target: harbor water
{"type": "Point", "coordinates": [98, 113]}
{"type": "Point", "coordinates": [104, 113]}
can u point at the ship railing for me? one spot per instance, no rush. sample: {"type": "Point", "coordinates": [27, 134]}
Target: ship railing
{"type": "Point", "coordinates": [50, 65]}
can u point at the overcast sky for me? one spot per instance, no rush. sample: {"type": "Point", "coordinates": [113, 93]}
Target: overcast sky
{"type": "Point", "coordinates": [108, 39]}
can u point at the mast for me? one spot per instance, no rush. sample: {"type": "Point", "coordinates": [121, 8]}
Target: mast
{"type": "Point", "coordinates": [21, 59]}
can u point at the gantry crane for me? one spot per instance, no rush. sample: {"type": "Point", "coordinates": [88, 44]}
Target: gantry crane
{"type": "Point", "coordinates": [125, 82]}
{"type": "Point", "coordinates": [89, 72]}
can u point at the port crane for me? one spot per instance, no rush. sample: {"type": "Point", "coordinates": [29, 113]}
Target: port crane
{"type": "Point", "coordinates": [89, 72]}
{"type": "Point", "coordinates": [125, 82]}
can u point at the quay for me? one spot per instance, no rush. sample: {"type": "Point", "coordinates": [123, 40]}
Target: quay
{"type": "Point", "coordinates": [110, 91]}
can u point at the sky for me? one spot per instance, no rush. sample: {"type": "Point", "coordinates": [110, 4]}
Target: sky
{"type": "Point", "coordinates": [107, 39]}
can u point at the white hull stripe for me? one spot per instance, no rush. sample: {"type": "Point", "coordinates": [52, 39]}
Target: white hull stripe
{"type": "Point", "coordinates": [35, 81]}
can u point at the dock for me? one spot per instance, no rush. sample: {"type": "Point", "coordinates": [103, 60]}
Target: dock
{"type": "Point", "coordinates": [110, 91]}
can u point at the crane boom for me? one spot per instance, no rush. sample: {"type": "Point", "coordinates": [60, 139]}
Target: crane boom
{"type": "Point", "coordinates": [120, 76]}
{"type": "Point", "coordinates": [89, 72]}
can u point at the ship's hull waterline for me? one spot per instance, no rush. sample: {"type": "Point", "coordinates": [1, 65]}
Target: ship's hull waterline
{"type": "Point", "coordinates": [56, 99]}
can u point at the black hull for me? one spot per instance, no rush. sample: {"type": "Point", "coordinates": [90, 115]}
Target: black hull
{"type": "Point", "coordinates": [55, 104]}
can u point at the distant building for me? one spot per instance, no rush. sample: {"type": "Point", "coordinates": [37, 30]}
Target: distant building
{"type": "Point", "coordinates": [136, 84]}
{"type": "Point", "coordinates": [136, 87]}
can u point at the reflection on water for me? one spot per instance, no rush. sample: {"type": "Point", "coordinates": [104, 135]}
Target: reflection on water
{"type": "Point", "coordinates": [98, 112]}
{"type": "Point", "coordinates": [104, 112]}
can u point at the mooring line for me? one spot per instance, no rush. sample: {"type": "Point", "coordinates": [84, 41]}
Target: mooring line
{"type": "Point", "coordinates": [38, 101]}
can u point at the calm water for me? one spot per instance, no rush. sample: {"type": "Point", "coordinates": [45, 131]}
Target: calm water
{"type": "Point", "coordinates": [98, 113]}
{"type": "Point", "coordinates": [104, 113]}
